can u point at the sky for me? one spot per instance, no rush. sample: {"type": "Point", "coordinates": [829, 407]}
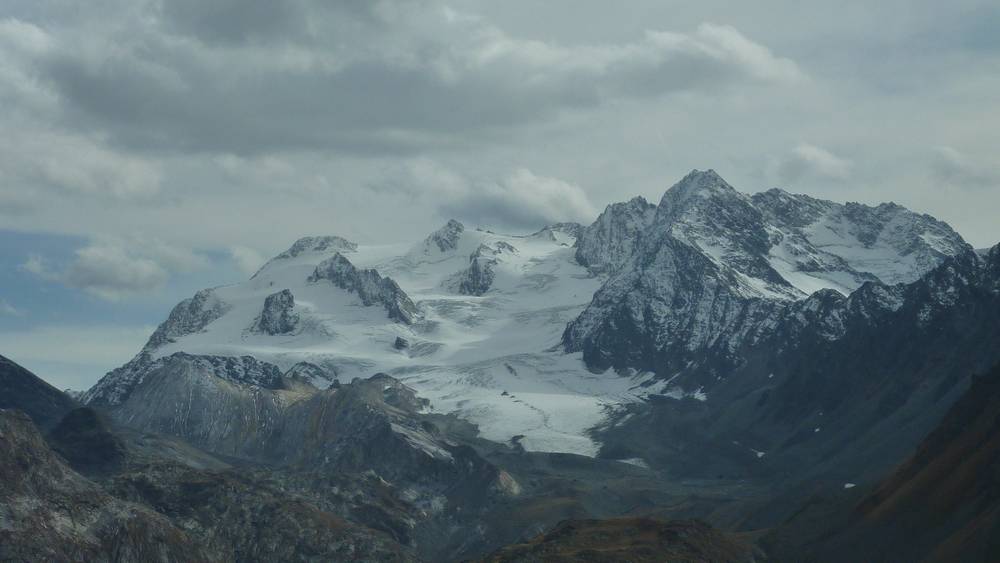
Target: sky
{"type": "Point", "coordinates": [149, 148]}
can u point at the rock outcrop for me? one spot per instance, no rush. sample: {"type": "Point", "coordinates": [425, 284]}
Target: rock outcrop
{"type": "Point", "coordinates": [278, 315]}
{"type": "Point", "coordinates": [369, 286]}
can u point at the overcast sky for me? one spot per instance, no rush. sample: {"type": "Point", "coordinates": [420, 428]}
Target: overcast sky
{"type": "Point", "coordinates": [149, 148]}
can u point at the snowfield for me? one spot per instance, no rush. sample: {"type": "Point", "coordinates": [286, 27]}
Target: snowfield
{"type": "Point", "coordinates": [491, 359]}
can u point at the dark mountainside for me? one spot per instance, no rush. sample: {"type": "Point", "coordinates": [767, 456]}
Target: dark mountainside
{"type": "Point", "coordinates": [145, 497]}
{"type": "Point", "coordinates": [844, 409]}
{"type": "Point", "coordinates": [49, 512]}
{"type": "Point", "coordinates": [375, 500]}
{"type": "Point", "coordinates": [22, 390]}
{"type": "Point", "coordinates": [639, 540]}
{"type": "Point", "coordinates": [942, 504]}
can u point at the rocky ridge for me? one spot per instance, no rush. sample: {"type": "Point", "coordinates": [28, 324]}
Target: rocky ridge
{"type": "Point", "coordinates": [371, 287]}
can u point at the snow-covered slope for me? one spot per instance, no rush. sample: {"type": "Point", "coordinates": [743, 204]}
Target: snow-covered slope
{"type": "Point", "coordinates": [483, 317]}
{"type": "Point", "coordinates": [475, 320]}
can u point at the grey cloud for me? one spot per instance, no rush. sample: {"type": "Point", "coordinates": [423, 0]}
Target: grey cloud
{"type": "Point", "coordinates": [235, 21]}
{"type": "Point", "coordinates": [522, 200]}
{"type": "Point", "coordinates": [111, 273]}
{"type": "Point", "coordinates": [434, 81]}
{"type": "Point", "coordinates": [247, 259]}
{"type": "Point", "coordinates": [9, 310]}
{"type": "Point", "coordinates": [39, 267]}
{"type": "Point", "coordinates": [114, 269]}
{"type": "Point", "coordinates": [74, 164]}
{"type": "Point", "coordinates": [807, 162]}
{"type": "Point", "coordinates": [519, 200]}
{"type": "Point", "coordinates": [125, 116]}
{"type": "Point", "coordinates": [957, 169]}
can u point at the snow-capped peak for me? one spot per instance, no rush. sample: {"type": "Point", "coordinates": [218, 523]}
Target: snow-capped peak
{"type": "Point", "coordinates": [318, 244]}
{"type": "Point", "coordinates": [699, 183]}
{"type": "Point", "coordinates": [306, 247]}
{"type": "Point", "coordinates": [446, 238]}
{"type": "Point", "coordinates": [609, 242]}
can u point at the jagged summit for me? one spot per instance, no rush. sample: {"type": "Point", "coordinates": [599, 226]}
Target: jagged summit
{"type": "Point", "coordinates": [699, 182]}
{"type": "Point", "coordinates": [278, 315]}
{"type": "Point", "coordinates": [697, 189]}
{"type": "Point", "coordinates": [371, 287]}
{"type": "Point", "coordinates": [319, 244]}
{"type": "Point", "coordinates": [715, 263]}
{"type": "Point", "coordinates": [446, 238]}
{"type": "Point", "coordinates": [309, 246]}
{"type": "Point", "coordinates": [608, 243]}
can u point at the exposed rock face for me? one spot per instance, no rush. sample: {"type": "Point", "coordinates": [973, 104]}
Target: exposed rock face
{"type": "Point", "coordinates": [628, 539]}
{"type": "Point", "coordinates": [446, 238]}
{"type": "Point", "coordinates": [559, 231]}
{"type": "Point", "coordinates": [226, 401]}
{"type": "Point", "coordinates": [401, 343]}
{"type": "Point", "coordinates": [86, 441]}
{"type": "Point", "coordinates": [658, 315]}
{"type": "Point", "coordinates": [310, 374]}
{"type": "Point", "coordinates": [714, 265]}
{"type": "Point", "coordinates": [310, 246]}
{"type": "Point", "coordinates": [115, 387]}
{"type": "Point", "coordinates": [372, 425]}
{"type": "Point", "coordinates": [188, 317]}
{"type": "Point", "coordinates": [48, 512]}
{"type": "Point", "coordinates": [887, 243]}
{"type": "Point", "coordinates": [369, 286]}
{"type": "Point", "coordinates": [368, 424]}
{"type": "Point", "coordinates": [479, 276]}
{"type": "Point", "coordinates": [278, 315]}
{"type": "Point", "coordinates": [21, 389]}
{"type": "Point", "coordinates": [608, 243]}
{"type": "Point", "coordinates": [704, 212]}
{"type": "Point", "coordinates": [831, 386]}
{"type": "Point", "coordinates": [318, 244]}
{"type": "Point", "coordinates": [165, 511]}
{"type": "Point", "coordinates": [242, 516]}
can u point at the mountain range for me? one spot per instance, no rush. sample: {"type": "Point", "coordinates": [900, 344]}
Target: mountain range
{"type": "Point", "coordinates": [718, 355]}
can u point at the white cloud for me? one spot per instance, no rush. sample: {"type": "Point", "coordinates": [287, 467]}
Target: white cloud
{"type": "Point", "coordinates": [521, 199]}
{"type": "Point", "coordinates": [247, 259]}
{"type": "Point", "coordinates": [661, 61]}
{"type": "Point", "coordinates": [958, 169]}
{"type": "Point", "coordinates": [126, 118]}
{"type": "Point", "coordinates": [39, 266]}
{"type": "Point", "coordinates": [111, 272]}
{"type": "Point", "coordinates": [76, 165]}
{"type": "Point", "coordinates": [810, 162]}
{"type": "Point", "coordinates": [398, 77]}
{"type": "Point", "coordinates": [113, 268]}
{"type": "Point", "coordinates": [9, 310]}
{"type": "Point", "coordinates": [525, 198]}
{"type": "Point", "coordinates": [725, 43]}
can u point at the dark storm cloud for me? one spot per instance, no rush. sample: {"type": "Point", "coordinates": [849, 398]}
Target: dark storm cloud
{"type": "Point", "coordinates": [235, 21]}
{"type": "Point", "coordinates": [438, 81]}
